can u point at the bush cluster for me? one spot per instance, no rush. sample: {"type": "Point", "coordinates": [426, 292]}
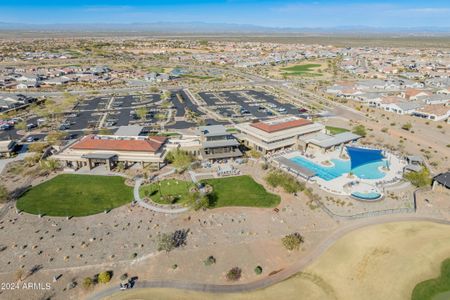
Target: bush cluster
{"type": "Point", "coordinates": [286, 181]}
{"type": "Point", "coordinates": [292, 241]}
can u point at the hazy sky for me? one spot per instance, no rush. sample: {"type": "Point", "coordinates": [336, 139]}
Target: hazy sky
{"type": "Point", "coordinates": [328, 13]}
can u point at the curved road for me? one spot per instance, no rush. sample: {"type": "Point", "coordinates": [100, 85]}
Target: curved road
{"type": "Point", "coordinates": [300, 265]}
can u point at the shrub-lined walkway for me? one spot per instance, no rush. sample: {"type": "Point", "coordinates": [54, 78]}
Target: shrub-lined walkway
{"type": "Point", "coordinates": [76, 195]}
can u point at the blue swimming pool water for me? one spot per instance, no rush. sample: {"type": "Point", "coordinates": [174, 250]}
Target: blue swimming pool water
{"type": "Point", "coordinates": [367, 196]}
{"type": "Point", "coordinates": [367, 171]}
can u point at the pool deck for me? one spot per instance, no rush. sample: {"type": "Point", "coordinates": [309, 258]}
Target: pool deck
{"type": "Point", "coordinates": [337, 186]}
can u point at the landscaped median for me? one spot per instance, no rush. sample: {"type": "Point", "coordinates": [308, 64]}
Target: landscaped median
{"type": "Point", "coordinates": [76, 195]}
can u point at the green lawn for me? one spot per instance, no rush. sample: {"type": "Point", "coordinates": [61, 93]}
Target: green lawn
{"type": "Point", "coordinates": [306, 69]}
{"type": "Point", "coordinates": [240, 191]}
{"type": "Point", "coordinates": [335, 130]}
{"type": "Point", "coordinates": [76, 195]}
{"type": "Point", "coordinates": [158, 192]}
{"type": "Point", "coordinates": [433, 289]}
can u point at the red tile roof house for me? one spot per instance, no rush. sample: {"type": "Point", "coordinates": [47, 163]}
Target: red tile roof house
{"type": "Point", "coordinates": [93, 150]}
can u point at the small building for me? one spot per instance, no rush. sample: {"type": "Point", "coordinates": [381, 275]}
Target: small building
{"type": "Point", "coordinates": [441, 181]}
{"type": "Point", "coordinates": [415, 163]}
{"type": "Point", "coordinates": [277, 133]}
{"type": "Point", "coordinates": [93, 150]}
{"type": "Point", "coordinates": [325, 142]}
{"type": "Point", "coordinates": [7, 148]}
{"type": "Point", "coordinates": [217, 143]}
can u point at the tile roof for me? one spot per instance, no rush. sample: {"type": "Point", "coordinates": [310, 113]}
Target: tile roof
{"type": "Point", "coordinates": [93, 142]}
{"type": "Point", "coordinates": [278, 126]}
{"type": "Point", "coordinates": [410, 92]}
{"type": "Point", "coordinates": [438, 110]}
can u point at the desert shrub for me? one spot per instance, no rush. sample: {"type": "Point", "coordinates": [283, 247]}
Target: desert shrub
{"type": "Point", "coordinates": [104, 277]}
{"type": "Point", "coordinates": [258, 270]}
{"type": "Point", "coordinates": [359, 130]}
{"type": "Point", "coordinates": [419, 179]}
{"type": "Point", "coordinates": [4, 194]}
{"type": "Point", "coordinates": [124, 277]}
{"type": "Point", "coordinates": [286, 181]}
{"type": "Point", "coordinates": [210, 260]}
{"type": "Point", "coordinates": [292, 241]}
{"type": "Point", "coordinates": [253, 153]}
{"type": "Point", "coordinates": [87, 282]}
{"type": "Point", "coordinates": [407, 126]}
{"type": "Point", "coordinates": [169, 241]}
{"type": "Point", "coordinates": [165, 242]}
{"type": "Point", "coordinates": [234, 274]}
{"type": "Point", "coordinates": [180, 159]}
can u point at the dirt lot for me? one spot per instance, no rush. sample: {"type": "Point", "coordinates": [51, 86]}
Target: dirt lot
{"type": "Point", "coordinates": [377, 262]}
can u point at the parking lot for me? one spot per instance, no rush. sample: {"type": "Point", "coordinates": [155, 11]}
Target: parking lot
{"type": "Point", "coordinates": [110, 112]}
{"type": "Point", "coordinates": [246, 104]}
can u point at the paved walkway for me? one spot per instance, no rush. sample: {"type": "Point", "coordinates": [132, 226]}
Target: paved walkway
{"type": "Point", "coordinates": [297, 267]}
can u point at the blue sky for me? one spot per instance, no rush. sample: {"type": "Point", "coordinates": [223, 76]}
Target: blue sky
{"type": "Point", "coordinates": [274, 13]}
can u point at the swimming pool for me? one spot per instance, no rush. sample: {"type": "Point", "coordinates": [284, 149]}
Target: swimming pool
{"type": "Point", "coordinates": [366, 171]}
{"type": "Point", "coordinates": [367, 196]}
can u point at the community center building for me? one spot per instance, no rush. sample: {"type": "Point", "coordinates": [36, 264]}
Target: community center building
{"type": "Point", "coordinates": [93, 150]}
{"type": "Point", "coordinates": [277, 133]}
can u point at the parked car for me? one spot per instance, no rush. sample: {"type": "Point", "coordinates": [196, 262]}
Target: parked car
{"type": "Point", "coordinates": [70, 136]}
{"type": "Point", "coordinates": [31, 126]}
{"type": "Point", "coordinates": [31, 139]}
{"type": "Point", "coordinates": [5, 126]}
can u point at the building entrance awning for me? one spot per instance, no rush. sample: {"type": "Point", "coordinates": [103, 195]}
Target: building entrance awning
{"type": "Point", "coordinates": [292, 166]}
{"type": "Point", "coordinates": [99, 156]}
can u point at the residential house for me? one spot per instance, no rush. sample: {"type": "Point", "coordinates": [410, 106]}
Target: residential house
{"type": "Point", "coordinates": [433, 112]}
{"type": "Point", "coordinates": [399, 105]}
{"type": "Point", "coordinates": [438, 99]}
{"type": "Point", "coordinates": [415, 94]}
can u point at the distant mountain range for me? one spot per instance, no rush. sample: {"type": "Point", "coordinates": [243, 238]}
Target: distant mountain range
{"type": "Point", "coordinates": [223, 28]}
